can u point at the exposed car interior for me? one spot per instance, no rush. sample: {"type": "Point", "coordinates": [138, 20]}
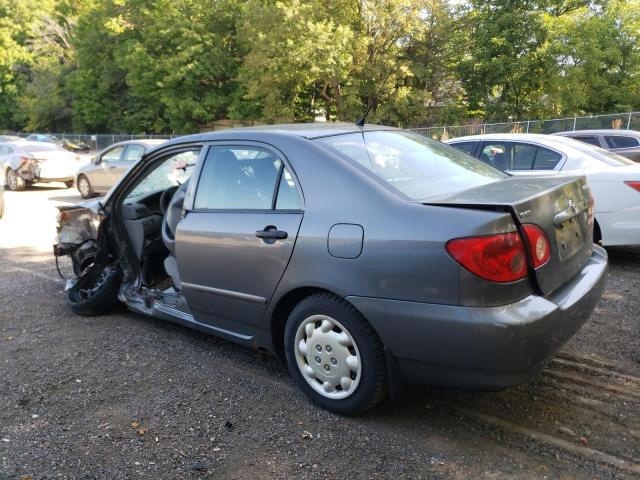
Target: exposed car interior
{"type": "Point", "coordinates": [232, 178]}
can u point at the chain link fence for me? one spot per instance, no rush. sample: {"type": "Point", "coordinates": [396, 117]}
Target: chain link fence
{"type": "Point", "coordinates": [97, 142]}
{"type": "Point", "coordinates": [618, 121]}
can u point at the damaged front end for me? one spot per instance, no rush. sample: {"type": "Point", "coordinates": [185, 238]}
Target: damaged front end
{"type": "Point", "coordinates": [78, 237]}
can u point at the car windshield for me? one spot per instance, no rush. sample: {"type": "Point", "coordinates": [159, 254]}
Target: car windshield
{"type": "Point", "coordinates": [417, 166]}
{"type": "Point", "coordinates": [598, 154]}
{"type": "Point", "coordinates": [42, 148]}
{"type": "Point", "coordinates": [174, 170]}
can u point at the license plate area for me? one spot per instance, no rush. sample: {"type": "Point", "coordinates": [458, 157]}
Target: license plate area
{"type": "Point", "coordinates": [570, 236]}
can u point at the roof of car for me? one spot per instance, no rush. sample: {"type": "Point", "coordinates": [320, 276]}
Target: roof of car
{"type": "Point", "coordinates": [149, 142]}
{"type": "Point", "coordinates": [601, 131]}
{"type": "Point", "coordinates": [539, 138]}
{"type": "Point", "coordinates": [304, 130]}
{"type": "Point", "coordinates": [502, 136]}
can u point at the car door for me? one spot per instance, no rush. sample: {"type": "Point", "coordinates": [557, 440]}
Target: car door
{"type": "Point", "coordinates": [102, 177]}
{"type": "Point", "coordinates": [240, 225]}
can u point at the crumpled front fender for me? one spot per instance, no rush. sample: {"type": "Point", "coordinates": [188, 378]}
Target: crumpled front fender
{"type": "Point", "coordinates": [76, 225]}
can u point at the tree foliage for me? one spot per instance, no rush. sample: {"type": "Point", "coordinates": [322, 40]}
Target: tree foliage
{"type": "Point", "coordinates": [176, 65]}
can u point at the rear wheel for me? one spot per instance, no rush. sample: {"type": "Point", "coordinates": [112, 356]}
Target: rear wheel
{"type": "Point", "coordinates": [96, 293]}
{"type": "Point", "coordinates": [14, 181]}
{"type": "Point", "coordinates": [84, 187]}
{"type": "Point", "coordinates": [334, 355]}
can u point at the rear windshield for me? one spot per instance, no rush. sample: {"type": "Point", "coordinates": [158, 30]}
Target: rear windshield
{"type": "Point", "coordinates": [42, 148]}
{"type": "Point", "coordinates": [595, 155]}
{"type": "Point", "coordinates": [417, 166]}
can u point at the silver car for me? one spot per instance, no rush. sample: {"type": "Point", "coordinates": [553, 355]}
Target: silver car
{"type": "Point", "coordinates": [366, 257]}
{"type": "Point", "coordinates": [106, 168]}
{"type": "Point", "coordinates": [24, 163]}
{"type": "Point", "coordinates": [622, 142]}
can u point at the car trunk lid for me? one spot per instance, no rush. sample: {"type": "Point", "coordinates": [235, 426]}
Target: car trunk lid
{"type": "Point", "coordinates": [559, 205]}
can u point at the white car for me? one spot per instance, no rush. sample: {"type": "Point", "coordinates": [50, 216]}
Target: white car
{"type": "Point", "coordinates": [614, 180]}
{"type": "Point", "coordinates": [25, 163]}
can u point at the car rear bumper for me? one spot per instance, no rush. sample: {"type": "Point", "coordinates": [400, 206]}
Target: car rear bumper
{"type": "Point", "coordinates": [484, 347]}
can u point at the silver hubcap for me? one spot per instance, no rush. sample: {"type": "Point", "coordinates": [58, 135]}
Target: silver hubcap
{"type": "Point", "coordinates": [328, 357]}
{"type": "Point", "coordinates": [83, 186]}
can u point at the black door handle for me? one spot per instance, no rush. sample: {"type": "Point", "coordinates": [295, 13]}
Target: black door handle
{"type": "Point", "coordinates": [272, 233]}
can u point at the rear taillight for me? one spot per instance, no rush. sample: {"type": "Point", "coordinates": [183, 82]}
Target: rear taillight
{"type": "Point", "coordinates": [539, 246]}
{"type": "Point", "coordinates": [498, 258]}
{"type": "Point", "coordinates": [634, 185]}
{"type": "Point", "coordinates": [24, 160]}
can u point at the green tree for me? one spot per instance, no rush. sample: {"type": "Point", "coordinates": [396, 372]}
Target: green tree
{"type": "Point", "coordinates": [597, 51]}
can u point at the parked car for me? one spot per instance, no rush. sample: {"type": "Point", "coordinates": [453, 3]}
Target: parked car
{"type": "Point", "coordinates": [40, 137]}
{"type": "Point", "coordinates": [75, 146]}
{"type": "Point", "coordinates": [614, 180]}
{"type": "Point", "coordinates": [106, 168]}
{"type": "Point", "coordinates": [25, 163]}
{"type": "Point", "coordinates": [622, 142]}
{"type": "Point", "coordinates": [366, 256]}
{"type": "Point", "coordinates": [1, 200]}
{"type": "Point", "coordinates": [10, 138]}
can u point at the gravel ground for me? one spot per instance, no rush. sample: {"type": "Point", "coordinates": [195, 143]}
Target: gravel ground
{"type": "Point", "coordinates": [124, 396]}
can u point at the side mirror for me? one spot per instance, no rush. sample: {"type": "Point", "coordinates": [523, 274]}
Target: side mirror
{"type": "Point", "coordinates": [95, 160]}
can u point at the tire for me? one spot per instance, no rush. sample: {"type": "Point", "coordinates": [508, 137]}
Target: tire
{"type": "Point", "coordinates": [329, 339]}
{"type": "Point", "coordinates": [97, 294]}
{"type": "Point", "coordinates": [84, 187]}
{"type": "Point", "coordinates": [14, 181]}
{"type": "Point", "coordinates": [68, 184]}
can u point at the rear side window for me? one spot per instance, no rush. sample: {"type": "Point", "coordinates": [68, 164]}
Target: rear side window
{"type": "Point", "coordinates": [546, 159]}
{"type": "Point", "coordinates": [620, 141]}
{"type": "Point", "coordinates": [244, 178]}
{"type": "Point", "coordinates": [134, 153]}
{"type": "Point", "coordinates": [523, 156]}
{"type": "Point", "coordinates": [417, 166]}
{"type": "Point", "coordinates": [588, 139]}
{"type": "Point", "coordinates": [467, 147]}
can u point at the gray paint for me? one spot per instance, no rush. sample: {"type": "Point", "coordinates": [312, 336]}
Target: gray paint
{"type": "Point", "coordinates": [425, 307]}
{"type": "Point", "coordinates": [345, 240]}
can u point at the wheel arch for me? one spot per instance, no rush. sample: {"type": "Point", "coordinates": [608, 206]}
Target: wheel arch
{"type": "Point", "coordinates": [280, 313]}
{"type": "Point", "coordinates": [597, 232]}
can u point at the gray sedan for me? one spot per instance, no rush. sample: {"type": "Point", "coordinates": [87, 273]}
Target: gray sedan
{"type": "Point", "coordinates": [366, 257]}
{"type": "Point", "coordinates": [622, 142]}
{"type": "Point", "coordinates": [108, 166]}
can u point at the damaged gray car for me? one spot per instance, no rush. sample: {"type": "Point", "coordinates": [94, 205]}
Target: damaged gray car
{"type": "Point", "coordinates": [366, 257]}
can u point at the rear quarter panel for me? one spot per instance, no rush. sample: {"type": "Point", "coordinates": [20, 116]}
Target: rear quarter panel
{"type": "Point", "coordinates": [403, 255]}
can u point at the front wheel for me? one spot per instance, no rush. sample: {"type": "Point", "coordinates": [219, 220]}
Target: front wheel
{"type": "Point", "coordinates": [96, 293]}
{"type": "Point", "coordinates": [334, 355]}
{"type": "Point", "coordinates": [14, 181]}
{"type": "Point", "coordinates": [84, 187]}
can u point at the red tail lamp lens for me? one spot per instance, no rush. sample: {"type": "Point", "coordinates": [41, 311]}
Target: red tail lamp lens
{"type": "Point", "coordinates": [634, 185]}
{"type": "Point", "coordinates": [498, 258]}
{"type": "Point", "coordinates": [538, 244]}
